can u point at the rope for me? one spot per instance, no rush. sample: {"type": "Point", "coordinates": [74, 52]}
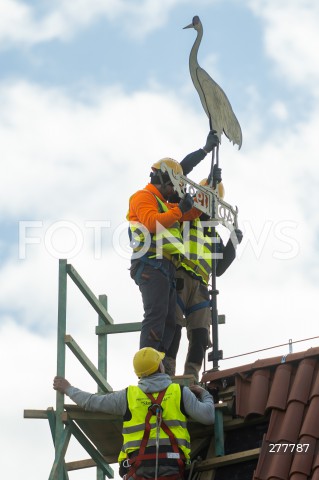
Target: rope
{"type": "Point", "coordinates": [158, 427]}
{"type": "Point", "coordinates": [270, 348]}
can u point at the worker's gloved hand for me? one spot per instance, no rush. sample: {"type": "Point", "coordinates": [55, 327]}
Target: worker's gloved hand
{"type": "Point", "coordinates": [236, 236]}
{"type": "Point", "coordinates": [217, 175]}
{"type": "Point", "coordinates": [211, 141]}
{"type": "Point", "coordinates": [186, 203]}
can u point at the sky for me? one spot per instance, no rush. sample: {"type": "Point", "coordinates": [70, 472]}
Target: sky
{"type": "Point", "coordinates": [92, 93]}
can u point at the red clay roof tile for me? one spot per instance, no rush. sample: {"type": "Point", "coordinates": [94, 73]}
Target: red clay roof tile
{"type": "Point", "coordinates": [286, 389]}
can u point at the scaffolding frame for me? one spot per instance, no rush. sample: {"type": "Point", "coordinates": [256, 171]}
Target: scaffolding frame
{"type": "Point", "coordinates": [61, 425]}
{"type": "Point", "coordinates": [66, 421]}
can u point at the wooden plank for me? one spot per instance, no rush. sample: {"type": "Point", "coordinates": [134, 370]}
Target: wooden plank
{"type": "Point", "coordinates": [221, 406]}
{"type": "Point", "coordinates": [42, 414]}
{"type": "Point", "coordinates": [209, 474]}
{"type": "Point", "coordinates": [218, 462]}
{"type": "Point", "coordinates": [185, 380]}
{"type": "Point", "coordinates": [235, 423]}
{"type": "Point", "coordinates": [89, 416]}
{"type": "Point", "coordinates": [80, 464]}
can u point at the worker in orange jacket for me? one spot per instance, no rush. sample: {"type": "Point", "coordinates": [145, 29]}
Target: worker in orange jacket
{"type": "Point", "coordinates": [157, 244]}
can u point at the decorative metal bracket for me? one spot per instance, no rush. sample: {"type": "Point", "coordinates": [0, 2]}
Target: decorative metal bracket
{"type": "Point", "coordinates": [205, 199]}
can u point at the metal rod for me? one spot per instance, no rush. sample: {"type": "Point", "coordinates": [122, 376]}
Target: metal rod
{"type": "Point", "coordinates": [214, 312]}
{"type": "Point", "coordinates": [102, 345]}
{"type": "Point", "coordinates": [59, 428]}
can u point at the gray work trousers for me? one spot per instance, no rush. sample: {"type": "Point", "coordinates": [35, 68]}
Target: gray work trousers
{"type": "Point", "coordinates": [156, 281]}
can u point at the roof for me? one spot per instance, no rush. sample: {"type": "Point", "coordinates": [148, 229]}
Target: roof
{"type": "Point", "coordinates": [286, 389]}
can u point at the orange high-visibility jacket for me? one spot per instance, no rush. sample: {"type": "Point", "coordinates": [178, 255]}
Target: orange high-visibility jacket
{"type": "Point", "coordinates": [143, 208]}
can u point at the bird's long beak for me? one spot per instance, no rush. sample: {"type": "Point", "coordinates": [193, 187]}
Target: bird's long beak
{"type": "Point", "coordinates": [189, 26]}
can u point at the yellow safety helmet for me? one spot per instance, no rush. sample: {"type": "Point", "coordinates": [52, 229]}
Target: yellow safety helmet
{"type": "Point", "coordinates": [146, 361]}
{"type": "Point", "coordinates": [221, 189]}
{"type": "Point", "coordinates": [170, 162]}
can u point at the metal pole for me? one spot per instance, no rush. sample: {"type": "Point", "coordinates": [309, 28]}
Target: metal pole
{"type": "Point", "coordinates": [62, 296]}
{"type": "Point", "coordinates": [214, 312]}
{"type": "Point", "coordinates": [102, 366]}
{"type": "Point", "coordinates": [102, 344]}
{"type": "Point", "coordinates": [214, 355]}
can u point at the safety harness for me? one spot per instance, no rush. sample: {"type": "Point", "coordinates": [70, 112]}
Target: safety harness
{"type": "Point", "coordinates": [134, 463]}
{"type": "Point", "coordinates": [193, 308]}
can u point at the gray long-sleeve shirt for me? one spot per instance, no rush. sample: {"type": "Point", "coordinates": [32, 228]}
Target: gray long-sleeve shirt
{"type": "Point", "coordinates": [200, 410]}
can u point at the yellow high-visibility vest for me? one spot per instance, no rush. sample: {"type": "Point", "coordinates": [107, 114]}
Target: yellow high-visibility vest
{"type": "Point", "coordinates": [165, 241]}
{"type": "Point", "coordinates": [198, 250]}
{"type": "Point", "coordinates": [133, 429]}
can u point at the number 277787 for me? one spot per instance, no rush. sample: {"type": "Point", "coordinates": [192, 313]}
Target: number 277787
{"type": "Point", "coordinates": [288, 447]}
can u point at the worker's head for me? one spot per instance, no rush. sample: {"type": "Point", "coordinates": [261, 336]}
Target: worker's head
{"type": "Point", "coordinates": [161, 179]}
{"type": "Point", "coordinates": [147, 361]}
{"type": "Point", "coordinates": [220, 187]}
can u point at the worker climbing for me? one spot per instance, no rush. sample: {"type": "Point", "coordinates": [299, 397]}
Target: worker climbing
{"type": "Point", "coordinates": [156, 441]}
{"type": "Point", "coordinates": [157, 244]}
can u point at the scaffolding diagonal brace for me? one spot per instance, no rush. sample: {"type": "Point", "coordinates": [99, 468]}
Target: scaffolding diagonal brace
{"type": "Point", "coordinates": [87, 364]}
{"type": "Point", "coordinates": [89, 295]}
{"type": "Point", "coordinates": [52, 421]}
{"type": "Point", "coordinates": [92, 451]}
{"type": "Point", "coordinates": [60, 453]}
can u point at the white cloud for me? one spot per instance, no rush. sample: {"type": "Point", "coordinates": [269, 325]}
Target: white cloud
{"type": "Point", "coordinates": [21, 23]}
{"type": "Point", "coordinates": [279, 110]}
{"type": "Point", "coordinates": [292, 38]}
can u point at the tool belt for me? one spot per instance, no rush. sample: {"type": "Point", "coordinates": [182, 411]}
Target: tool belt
{"type": "Point", "coordinates": [202, 276]}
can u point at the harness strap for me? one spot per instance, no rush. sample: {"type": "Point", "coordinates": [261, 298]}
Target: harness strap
{"type": "Point", "coordinates": [198, 306]}
{"type": "Point", "coordinates": [157, 266]}
{"type": "Point", "coordinates": [135, 462]}
{"type": "Point", "coordinates": [170, 435]}
{"type": "Point", "coordinates": [193, 308]}
{"type": "Point", "coordinates": [151, 456]}
{"type": "Point", "coordinates": [138, 459]}
{"type": "Point", "coordinates": [180, 303]}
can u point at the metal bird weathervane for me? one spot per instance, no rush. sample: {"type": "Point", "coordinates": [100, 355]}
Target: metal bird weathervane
{"type": "Point", "coordinates": [222, 120]}
{"type": "Point", "coordinates": [214, 100]}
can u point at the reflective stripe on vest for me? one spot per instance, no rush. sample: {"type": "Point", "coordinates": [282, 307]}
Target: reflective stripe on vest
{"type": "Point", "coordinates": [133, 429]}
{"type": "Point", "coordinates": [198, 249]}
{"type": "Point", "coordinates": [168, 240]}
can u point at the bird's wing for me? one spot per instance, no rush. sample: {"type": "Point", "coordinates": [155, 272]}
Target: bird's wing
{"type": "Point", "coordinates": [217, 107]}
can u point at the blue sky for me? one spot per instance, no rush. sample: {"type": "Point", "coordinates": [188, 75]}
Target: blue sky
{"type": "Point", "coordinates": [92, 93]}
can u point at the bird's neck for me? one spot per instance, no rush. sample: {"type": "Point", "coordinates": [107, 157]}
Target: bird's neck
{"type": "Point", "coordinates": [195, 47]}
